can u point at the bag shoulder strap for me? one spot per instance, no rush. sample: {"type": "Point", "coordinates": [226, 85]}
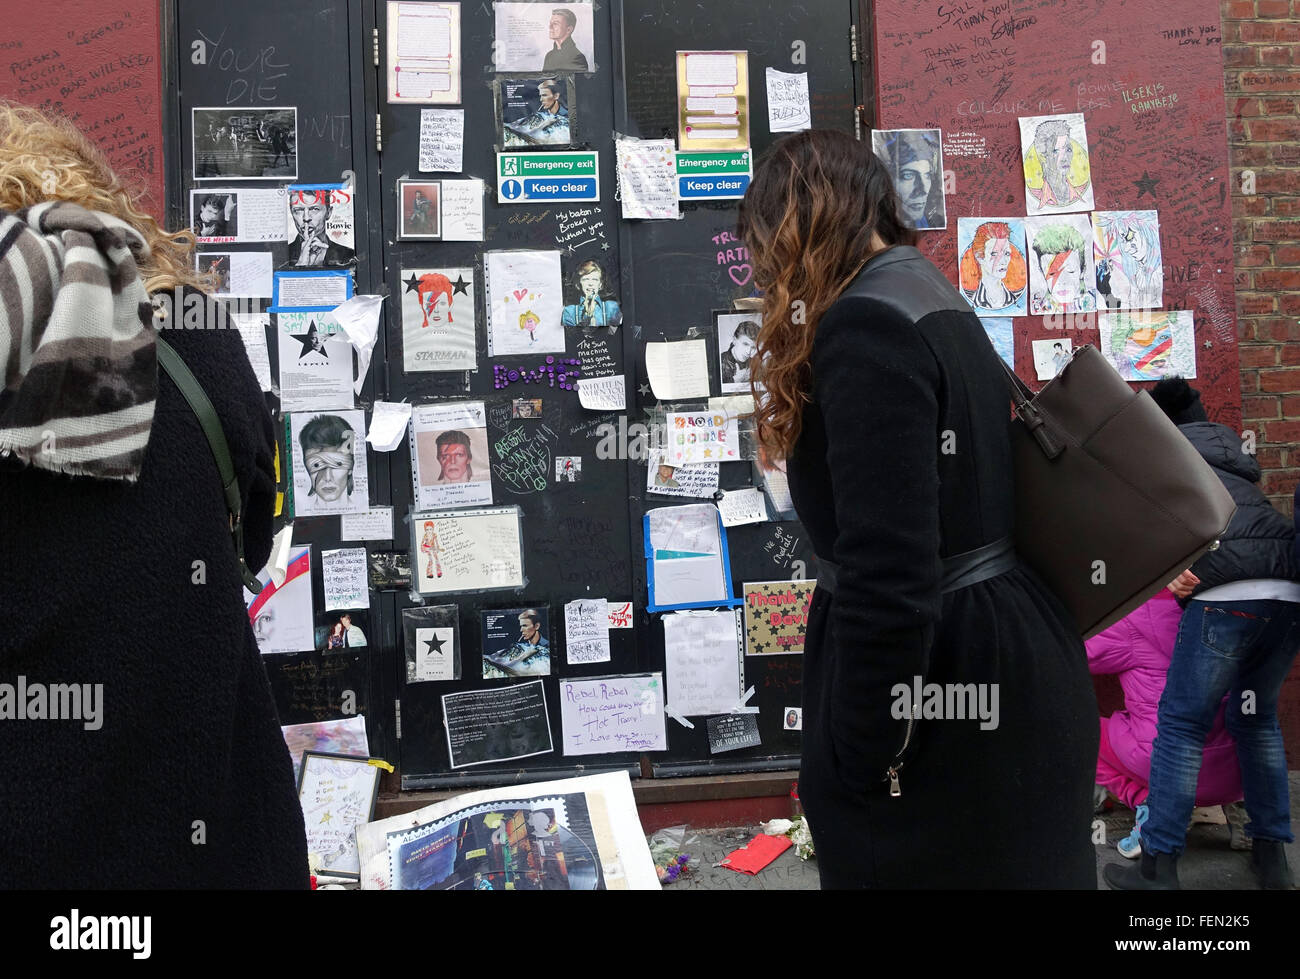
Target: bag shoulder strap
{"type": "Point", "coordinates": [1022, 398]}
{"type": "Point", "coordinates": [170, 361]}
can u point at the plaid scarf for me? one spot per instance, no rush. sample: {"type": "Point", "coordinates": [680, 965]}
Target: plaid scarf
{"type": "Point", "coordinates": [76, 342]}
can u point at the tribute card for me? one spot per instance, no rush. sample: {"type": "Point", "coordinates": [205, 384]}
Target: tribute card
{"type": "Point", "coordinates": [712, 100]}
{"type": "Point", "coordinates": [914, 159]}
{"type": "Point", "coordinates": [992, 266]}
{"type": "Point", "coordinates": [237, 215]}
{"type": "Point", "coordinates": [423, 52]}
{"type": "Point", "coordinates": [431, 638]}
{"type": "Point", "coordinates": [438, 320]}
{"type": "Point", "coordinates": [468, 550]}
{"type": "Point", "coordinates": [1058, 173]}
{"type": "Point", "coordinates": [516, 642]}
{"type": "Point", "coordinates": [544, 37]}
{"type": "Point", "coordinates": [605, 715]}
{"type": "Point", "coordinates": [497, 724]}
{"type": "Point", "coordinates": [329, 463]}
{"type": "Point", "coordinates": [449, 455]}
{"type": "Point", "coordinates": [525, 302]}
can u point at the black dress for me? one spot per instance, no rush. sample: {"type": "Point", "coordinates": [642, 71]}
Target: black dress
{"type": "Point", "coordinates": [187, 782]}
{"type": "Point", "coordinates": [904, 459]}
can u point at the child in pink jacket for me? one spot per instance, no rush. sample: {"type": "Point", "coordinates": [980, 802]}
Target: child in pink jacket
{"type": "Point", "coordinates": [1139, 648]}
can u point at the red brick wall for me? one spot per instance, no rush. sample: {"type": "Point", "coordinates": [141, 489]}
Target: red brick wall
{"type": "Point", "coordinates": [1261, 54]}
{"type": "Point", "coordinates": [97, 62]}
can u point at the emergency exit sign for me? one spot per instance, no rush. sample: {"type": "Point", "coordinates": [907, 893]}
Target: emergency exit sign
{"type": "Point", "coordinates": [717, 176]}
{"type": "Point", "coordinates": [532, 178]}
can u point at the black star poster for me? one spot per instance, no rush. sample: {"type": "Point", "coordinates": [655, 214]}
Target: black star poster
{"type": "Point", "coordinates": [432, 639]}
{"type": "Point", "coordinates": [776, 616]}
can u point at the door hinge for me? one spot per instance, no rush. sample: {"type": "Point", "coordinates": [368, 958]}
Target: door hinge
{"type": "Point", "coordinates": [375, 35]}
{"type": "Point", "coordinates": [853, 44]}
{"type": "Point", "coordinates": [379, 133]}
{"type": "Point", "coordinates": [397, 713]}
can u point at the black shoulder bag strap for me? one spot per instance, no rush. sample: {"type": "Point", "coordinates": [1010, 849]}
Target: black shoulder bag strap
{"type": "Point", "coordinates": [170, 361]}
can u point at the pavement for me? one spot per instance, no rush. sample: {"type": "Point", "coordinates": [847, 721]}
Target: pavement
{"type": "Point", "coordinates": [1210, 862]}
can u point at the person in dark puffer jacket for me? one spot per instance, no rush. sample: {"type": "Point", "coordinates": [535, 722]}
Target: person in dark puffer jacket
{"type": "Point", "coordinates": [1239, 635]}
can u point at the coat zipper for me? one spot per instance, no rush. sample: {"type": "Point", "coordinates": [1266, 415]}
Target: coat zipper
{"type": "Point", "coordinates": [895, 790]}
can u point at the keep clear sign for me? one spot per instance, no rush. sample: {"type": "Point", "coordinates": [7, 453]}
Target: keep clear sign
{"type": "Point", "coordinates": [716, 176]}
{"type": "Point", "coordinates": [530, 178]}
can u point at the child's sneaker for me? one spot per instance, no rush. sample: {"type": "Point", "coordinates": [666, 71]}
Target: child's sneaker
{"type": "Point", "coordinates": [1131, 845]}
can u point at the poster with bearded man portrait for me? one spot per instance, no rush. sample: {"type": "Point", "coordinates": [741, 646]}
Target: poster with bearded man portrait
{"type": "Point", "coordinates": [329, 463]}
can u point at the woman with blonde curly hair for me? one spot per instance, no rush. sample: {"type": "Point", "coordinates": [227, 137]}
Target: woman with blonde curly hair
{"type": "Point", "coordinates": [939, 671]}
{"type": "Point", "coordinates": [168, 768]}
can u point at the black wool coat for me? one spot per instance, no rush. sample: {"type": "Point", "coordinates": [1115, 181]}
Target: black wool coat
{"type": "Point", "coordinates": [187, 782]}
{"type": "Point", "coordinates": [904, 458]}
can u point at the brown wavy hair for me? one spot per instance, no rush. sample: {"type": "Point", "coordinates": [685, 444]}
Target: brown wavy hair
{"type": "Point", "coordinates": [40, 151]}
{"type": "Point", "coordinates": [820, 205]}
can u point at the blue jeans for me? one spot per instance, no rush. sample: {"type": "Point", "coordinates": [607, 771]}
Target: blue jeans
{"type": "Point", "coordinates": [1243, 649]}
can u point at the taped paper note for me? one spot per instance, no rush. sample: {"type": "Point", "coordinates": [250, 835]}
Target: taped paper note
{"type": "Point", "coordinates": [388, 425]}
{"type": "Point", "coordinates": [344, 574]}
{"type": "Point", "coordinates": [586, 630]}
{"type": "Point", "coordinates": [678, 370]}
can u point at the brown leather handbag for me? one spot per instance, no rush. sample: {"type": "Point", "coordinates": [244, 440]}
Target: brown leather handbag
{"type": "Point", "coordinates": [1112, 500]}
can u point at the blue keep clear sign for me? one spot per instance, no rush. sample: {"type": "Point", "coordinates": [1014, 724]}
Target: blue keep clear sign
{"type": "Point", "coordinates": [531, 178]}
{"type": "Point", "coordinates": [716, 175]}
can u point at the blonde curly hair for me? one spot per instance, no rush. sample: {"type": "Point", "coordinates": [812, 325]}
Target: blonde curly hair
{"type": "Point", "coordinates": [45, 157]}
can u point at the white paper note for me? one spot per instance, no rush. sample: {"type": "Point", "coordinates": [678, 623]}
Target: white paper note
{"type": "Point", "coordinates": [278, 563]}
{"type": "Point", "coordinates": [344, 573]}
{"type": "Point", "coordinates": [442, 140]}
{"type": "Point", "coordinates": [359, 317]}
{"type": "Point", "coordinates": [678, 370]}
{"type": "Point", "coordinates": [602, 393]}
{"type": "Point", "coordinates": [388, 425]}
{"type": "Point", "coordinates": [702, 656]}
{"type": "Point", "coordinates": [376, 524]}
{"type": "Point", "coordinates": [586, 630]}
{"type": "Point", "coordinates": [252, 329]}
{"type": "Point", "coordinates": [237, 275]}
{"type": "Point", "coordinates": [462, 210]}
{"type": "Point", "coordinates": [787, 101]}
{"type": "Point", "coordinates": [313, 290]}
{"type": "Point", "coordinates": [647, 178]}
{"type": "Point", "coordinates": [742, 506]}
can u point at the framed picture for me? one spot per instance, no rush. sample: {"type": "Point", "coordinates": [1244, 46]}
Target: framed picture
{"type": "Point", "coordinates": [337, 794]}
{"type": "Point", "coordinates": [419, 210]}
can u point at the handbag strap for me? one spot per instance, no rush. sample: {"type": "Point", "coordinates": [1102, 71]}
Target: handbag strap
{"type": "Point", "coordinates": [1022, 398]}
{"type": "Point", "coordinates": [170, 361]}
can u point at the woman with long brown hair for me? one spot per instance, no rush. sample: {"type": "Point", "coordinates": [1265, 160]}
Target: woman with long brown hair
{"type": "Point", "coordinates": [120, 575]}
{"type": "Point", "coordinates": [950, 728]}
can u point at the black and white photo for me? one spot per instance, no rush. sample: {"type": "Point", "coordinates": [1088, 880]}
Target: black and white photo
{"type": "Point", "coordinates": [239, 143]}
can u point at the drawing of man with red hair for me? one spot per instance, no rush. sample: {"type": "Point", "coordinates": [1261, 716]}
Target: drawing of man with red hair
{"type": "Point", "coordinates": [435, 299]}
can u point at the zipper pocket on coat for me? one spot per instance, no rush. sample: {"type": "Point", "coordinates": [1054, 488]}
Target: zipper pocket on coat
{"type": "Point", "coordinates": [891, 775]}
